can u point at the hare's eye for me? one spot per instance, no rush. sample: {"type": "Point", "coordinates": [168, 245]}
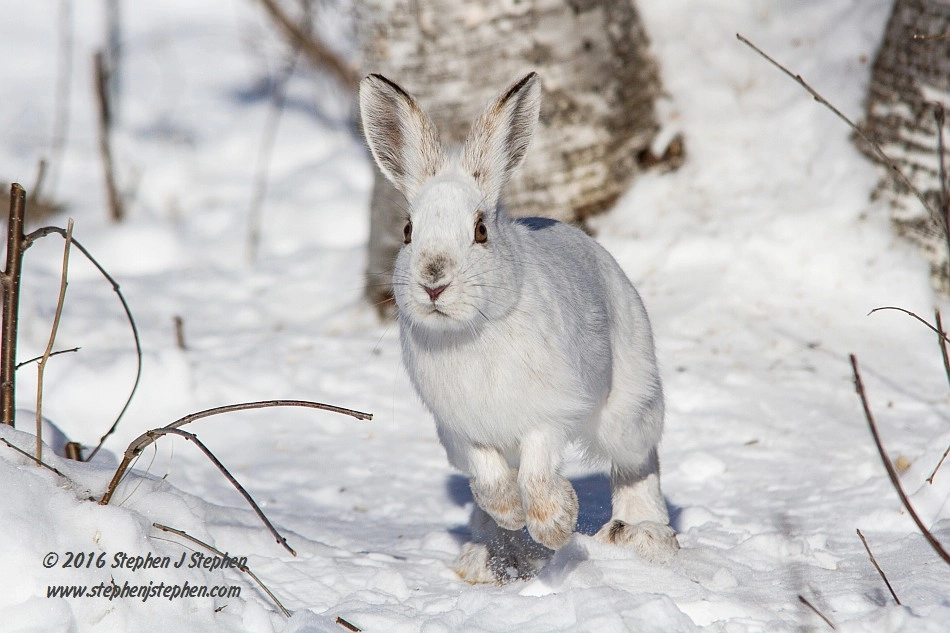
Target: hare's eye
{"type": "Point", "coordinates": [407, 232]}
{"type": "Point", "coordinates": [481, 231]}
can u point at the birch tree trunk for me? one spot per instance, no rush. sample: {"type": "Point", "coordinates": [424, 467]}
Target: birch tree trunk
{"type": "Point", "coordinates": [910, 77]}
{"type": "Point", "coordinates": [599, 86]}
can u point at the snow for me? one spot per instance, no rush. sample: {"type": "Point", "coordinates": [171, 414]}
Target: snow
{"type": "Point", "coordinates": [759, 261]}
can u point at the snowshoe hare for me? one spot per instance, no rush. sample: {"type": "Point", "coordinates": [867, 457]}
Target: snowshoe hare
{"type": "Point", "coordinates": [520, 335]}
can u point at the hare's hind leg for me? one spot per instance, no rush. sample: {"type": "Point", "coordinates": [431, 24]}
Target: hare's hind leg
{"type": "Point", "coordinates": [640, 519]}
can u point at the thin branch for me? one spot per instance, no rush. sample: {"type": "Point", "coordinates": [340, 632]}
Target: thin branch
{"type": "Point", "coordinates": [149, 437]}
{"type": "Point", "coordinates": [116, 208]}
{"type": "Point", "coordinates": [942, 342]}
{"type": "Point", "coordinates": [41, 365]}
{"type": "Point", "coordinates": [821, 615]}
{"type": "Point", "coordinates": [180, 332]}
{"type": "Point", "coordinates": [47, 230]}
{"type": "Point", "coordinates": [936, 331]}
{"type": "Point", "coordinates": [36, 192]}
{"type": "Point", "coordinates": [878, 567]}
{"type": "Point", "coordinates": [944, 194]}
{"type": "Point", "coordinates": [16, 244]}
{"type": "Point", "coordinates": [930, 480]}
{"type": "Point", "coordinates": [892, 166]}
{"type": "Point", "coordinates": [859, 386]}
{"type": "Point", "coordinates": [56, 353]}
{"type": "Point", "coordinates": [154, 434]}
{"type": "Point", "coordinates": [243, 568]}
{"type": "Point", "coordinates": [39, 462]}
{"type": "Point", "coordinates": [315, 50]}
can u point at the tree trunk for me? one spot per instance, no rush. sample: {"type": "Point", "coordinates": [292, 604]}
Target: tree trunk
{"type": "Point", "coordinates": [910, 78]}
{"type": "Point", "coordinates": [598, 79]}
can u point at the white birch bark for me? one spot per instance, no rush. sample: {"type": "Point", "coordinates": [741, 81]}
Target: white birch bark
{"type": "Point", "coordinates": [911, 74]}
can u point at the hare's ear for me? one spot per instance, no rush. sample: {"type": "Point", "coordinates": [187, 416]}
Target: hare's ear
{"type": "Point", "coordinates": [499, 138]}
{"type": "Point", "coordinates": [400, 135]}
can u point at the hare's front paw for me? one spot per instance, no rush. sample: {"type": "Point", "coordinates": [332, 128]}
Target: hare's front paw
{"type": "Point", "coordinates": [501, 500]}
{"type": "Point", "coordinates": [550, 511]}
{"type": "Point", "coordinates": [653, 541]}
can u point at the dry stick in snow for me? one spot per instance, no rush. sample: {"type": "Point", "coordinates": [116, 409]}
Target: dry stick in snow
{"type": "Point", "coordinates": [116, 209]}
{"type": "Point", "coordinates": [211, 548]}
{"type": "Point", "coordinates": [149, 437]}
{"type": "Point", "coordinates": [47, 230]}
{"type": "Point", "coordinates": [16, 244]}
{"type": "Point", "coordinates": [859, 386]}
{"type": "Point", "coordinates": [942, 340]}
{"type": "Point", "coordinates": [346, 625]}
{"type": "Point", "coordinates": [821, 615]}
{"type": "Point", "coordinates": [154, 434]}
{"type": "Point", "coordinates": [41, 365]}
{"type": "Point", "coordinates": [38, 461]}
{"type": "Point", "coordinates": [892, 166]}
{"type": "Point", "coordinates": [878, 567]}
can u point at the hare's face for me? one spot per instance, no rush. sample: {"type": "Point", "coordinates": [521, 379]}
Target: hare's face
{"type": "Point", "coordinates": [448, 274]}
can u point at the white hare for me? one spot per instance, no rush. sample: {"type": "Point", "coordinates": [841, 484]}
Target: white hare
{"type": "Point", "coordinates": [520, 335]}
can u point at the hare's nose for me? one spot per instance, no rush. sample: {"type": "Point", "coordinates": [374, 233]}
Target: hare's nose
{"type": "Point", "coordinates": [435, 292]}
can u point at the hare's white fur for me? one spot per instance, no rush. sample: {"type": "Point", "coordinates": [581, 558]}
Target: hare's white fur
{"type": "Point", "coordinates": [521, 342]}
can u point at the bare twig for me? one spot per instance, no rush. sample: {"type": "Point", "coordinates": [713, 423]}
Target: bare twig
{"type": "Point", "coordinates": [41, 169]}
{"type": "Point", "coordinates": [116, 209]}
{"type": "Point", "coordinates": [315, 50]}
{"type": "Point", "coordinates": [892, 166]}
{"type": "Point", "coordinates": [346, 625]}
{"type": "Point", "coordinates": [154, 434]}
{"type": "Point", "coordinates": [56, 353]}
{"type": "Point", "coordinates": [815, 610]}
{"type": "Point", "coordinates": [47, 230]}
{"type": "Point", "coordinates": [930, 480]}
{"type": "Point", "coordinates": [39, 462]}
{"type": "Point", "coordinates": [942, 342]}
{"type": "Point", "coordinates": [180, 332]}
{"type": "Point", "coordinates": [878, 567]}
{"type": "Point", "coordinates": [264, 152]}
{"type": "Point", "coordinates": [821, 615]}
{"type": "Point", "coordinates": [944, 194]}
{"type": "Point", "coordinates": [41, 365]}
{"type": "Point", "coordinates": [11, 302]}
{"type": "Point", "coordinates": [936, 331]}
{"type": "Point", "coordinates": [73, 451]}
{"type": "Point", "coordinates": [859, 386]}
{"type": "Point", "coordinates": [215, 550]}
{"type": "Point", "coordinates": [149, 437]}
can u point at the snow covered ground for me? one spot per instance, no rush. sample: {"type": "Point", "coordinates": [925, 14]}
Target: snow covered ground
{"type": "Point", "coordinates": [758, 260]}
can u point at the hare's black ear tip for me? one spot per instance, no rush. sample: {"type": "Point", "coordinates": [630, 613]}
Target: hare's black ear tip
{"type": "Point", "coordinates": [378, 80]}
{"type": "Point", "coordinates": [530, 79]}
